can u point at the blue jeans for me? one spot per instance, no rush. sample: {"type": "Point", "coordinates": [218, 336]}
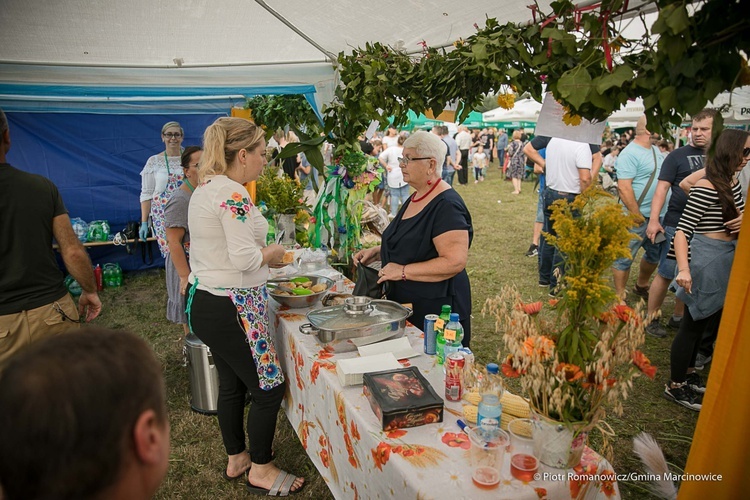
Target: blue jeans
{"type": "Point", "coordinates": [667, 267]}
{"type": "Point", "coordinates": [500, 157]}
{"type": "Point", "coordinates": [639, 240]}
{"type": "Point", "coordinates": [398, 197]}
{"type": "Point", "coordinates": [550, 258]}
{"type": "Point", "coordinates": [448, 176]}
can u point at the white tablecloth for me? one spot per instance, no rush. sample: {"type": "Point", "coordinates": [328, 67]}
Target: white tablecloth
{"type": "Point", "coordinates": [343, 437]}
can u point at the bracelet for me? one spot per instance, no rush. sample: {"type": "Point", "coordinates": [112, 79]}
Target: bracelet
{"type": "Point", "coordinates": [403, 273]}
{"type": "Point", "coordinates": [683, 269]}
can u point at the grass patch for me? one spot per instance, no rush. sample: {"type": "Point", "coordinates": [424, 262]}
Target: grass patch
{"type": "Point", "coordinates": [502, 234]}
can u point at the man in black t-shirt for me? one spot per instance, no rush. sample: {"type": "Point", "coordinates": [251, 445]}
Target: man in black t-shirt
{"type": "Point", "coordinates": [33, 299]}
{"type": "Point", "coordinates": [677, 165]}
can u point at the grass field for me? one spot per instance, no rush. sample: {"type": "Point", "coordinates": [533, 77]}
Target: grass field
{"type": "Point", "coordinates": [502, 233]}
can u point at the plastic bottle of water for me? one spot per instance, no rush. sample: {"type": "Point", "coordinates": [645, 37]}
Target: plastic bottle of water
{"type": "Point", "coordinates": [453, 335]}
{"type": "Point", "coordinates": [492, 390]}
{"type": "Point", "coordinates": [80, 228]}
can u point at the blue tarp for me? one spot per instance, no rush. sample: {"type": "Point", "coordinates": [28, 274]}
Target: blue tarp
{"type": "Point", "coordinates": [95, 160]}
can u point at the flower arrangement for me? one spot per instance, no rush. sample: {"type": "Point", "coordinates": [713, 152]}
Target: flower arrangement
{"type": "Point", "coordinates": [338, 211]}
{"type": "Point", "coordinates": [585, 352]}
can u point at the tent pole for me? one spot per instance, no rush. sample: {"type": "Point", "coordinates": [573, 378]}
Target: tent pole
{"type": "Point", "coordinates": [309, 40]}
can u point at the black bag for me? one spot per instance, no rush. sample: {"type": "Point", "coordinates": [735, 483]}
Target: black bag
{"type": "Point", "coordinates": [367, 284]}
{"type": "Point", "coordinates": [132, 234]}
{"type": "Point", "coordinates": [131, 231]}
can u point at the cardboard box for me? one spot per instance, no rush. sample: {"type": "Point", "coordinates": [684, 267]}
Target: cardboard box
{"type": "Point", "coordinates": [402, 398]}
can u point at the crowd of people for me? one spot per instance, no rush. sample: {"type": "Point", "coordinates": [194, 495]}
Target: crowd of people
{"type": "Point", "coordinates": [688, 203]}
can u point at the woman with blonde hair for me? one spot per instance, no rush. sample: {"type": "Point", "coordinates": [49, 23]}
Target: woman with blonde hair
{"type": "Point", "coordinates": [228, 300]}
{"type": "Point", "coordinates": [160, 177]}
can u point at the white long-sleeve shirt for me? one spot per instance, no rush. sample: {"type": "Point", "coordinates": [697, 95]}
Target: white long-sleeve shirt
{"type": "Point", "coordinates": [154, 175]}
{"type": "Point", "coordinates": [227, 233]}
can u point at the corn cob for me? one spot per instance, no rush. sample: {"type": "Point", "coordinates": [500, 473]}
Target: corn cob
{"type": "Point", "coordinates": [519, 428]}
{"type": "Point", "coordinates": [504, 419]}
{"type": "Point", "coordinates": [470, 413]}
{"type": "Point", "coordinates": [515, 405]}
{"type": "Point", "coordinates": [473, 397]}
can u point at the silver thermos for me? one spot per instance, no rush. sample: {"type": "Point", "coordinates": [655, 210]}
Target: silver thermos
{"type": "Point", "coordinates": [204, 379]}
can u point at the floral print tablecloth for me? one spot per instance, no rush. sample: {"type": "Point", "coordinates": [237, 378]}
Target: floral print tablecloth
{"type": "Point", "coordinates": [343, 437]}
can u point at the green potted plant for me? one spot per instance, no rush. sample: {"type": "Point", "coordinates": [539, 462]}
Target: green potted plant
{"type": "Point", "coordinates": [283, 199]}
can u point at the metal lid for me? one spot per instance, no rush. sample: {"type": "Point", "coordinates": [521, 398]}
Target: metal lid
{"type": "Point", "coordinates": [358, 312]}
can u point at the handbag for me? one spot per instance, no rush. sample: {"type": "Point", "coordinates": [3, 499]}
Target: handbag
{"type": "Point", "coordinates": [130, 233]}
{"type": "Point", "coordinates": [366, 284]}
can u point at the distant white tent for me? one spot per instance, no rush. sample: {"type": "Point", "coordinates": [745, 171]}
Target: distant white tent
{"type": "Point", "coordinates": [738, 112]}
{"type": "Point", "coordinates": [525, 110]}
{"type": "Point", "coordinates": [627, 115]}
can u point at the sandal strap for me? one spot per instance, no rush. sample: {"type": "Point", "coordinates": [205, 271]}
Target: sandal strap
{"type": "Point", "coordinates": [277, 490]}
{"type": "Point", "coordinates": [287, 486]}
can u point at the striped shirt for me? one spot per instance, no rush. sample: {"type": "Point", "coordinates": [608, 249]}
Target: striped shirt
{"type": "Point", "coordinates": [702, 213]}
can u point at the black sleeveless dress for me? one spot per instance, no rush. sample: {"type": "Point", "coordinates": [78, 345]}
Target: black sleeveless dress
{"type": "Point", "coordinates": [406, 241]}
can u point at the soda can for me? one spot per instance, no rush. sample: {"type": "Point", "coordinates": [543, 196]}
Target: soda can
{"type": "Point", "coordinates": [430, 337]}
{"type": "Point", "coordinates": [454, 376]}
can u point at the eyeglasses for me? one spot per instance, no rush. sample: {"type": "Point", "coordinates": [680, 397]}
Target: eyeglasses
{"type": "Point", "coordinates": [746, 152]}
{"type": "Point", "coordinates": [405, 160]}
{"type": "Point", "coordinates": [173, 135]}
{"type": "Point", "coordinates": [57, 308]}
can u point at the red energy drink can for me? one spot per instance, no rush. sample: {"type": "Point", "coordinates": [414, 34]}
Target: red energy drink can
{"type": "Point", "coordinates": [454, 376]}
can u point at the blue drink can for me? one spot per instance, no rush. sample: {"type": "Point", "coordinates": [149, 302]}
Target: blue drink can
{"type": "Point", "coordinates": [430, 339]}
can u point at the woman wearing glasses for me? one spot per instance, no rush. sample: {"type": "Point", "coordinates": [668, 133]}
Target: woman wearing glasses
{"type": "Point", "coordinates": [704, 244]}
{"type": "Point", "coordinates": [178, 238]}
{"type": "Point", "coordinates": [425, 248]}
{"type": "Point", "coordinates": [159, 179]}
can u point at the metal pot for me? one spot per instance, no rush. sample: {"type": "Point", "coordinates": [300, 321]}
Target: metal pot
{"type": "Point", "coordinates": [299, 301]}
{"type": "Point", "coordinates": [360, 321]}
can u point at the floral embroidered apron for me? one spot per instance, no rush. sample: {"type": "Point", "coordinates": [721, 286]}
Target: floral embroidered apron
{"type": "Point", "coordinates": [252, 309]}
{"type": "Point", "coordinates": [158, 202]}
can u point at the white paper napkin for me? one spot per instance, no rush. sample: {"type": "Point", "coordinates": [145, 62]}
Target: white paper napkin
{"type": "Point", "coordinates": [350, 370]}
{"type": "Point", "coordinates": [400, 348]}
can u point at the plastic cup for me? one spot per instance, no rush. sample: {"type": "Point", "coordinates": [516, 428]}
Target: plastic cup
{"type": "Point", "coordinates": [487, 455]}
{"type": "Point", "coordinates": [523, 462]}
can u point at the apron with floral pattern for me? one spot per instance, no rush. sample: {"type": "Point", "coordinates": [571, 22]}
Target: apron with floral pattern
{"type": "Point", "coordinates": [252, 308]}
{"type": "Point", "coordinates": [158, 202]}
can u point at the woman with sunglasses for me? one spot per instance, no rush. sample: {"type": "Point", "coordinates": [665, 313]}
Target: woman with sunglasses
{"type": "Point", "coordinates": [178, 238]}
{"type": "Point", "coordinates": [704, 244]}
{"type": "Point", "coordinates": [228, 301]}
{"type": "Point", "coordinates": [161, 176]}
{"type": "Point", "coordinates": [425, 248]}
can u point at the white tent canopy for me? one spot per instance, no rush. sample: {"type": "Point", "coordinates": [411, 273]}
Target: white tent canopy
{"type": "Point", "coordinates": [524, 110]}
{"type": "Point", "coordinates": [739, 106]}
{"type": "Point", "coordinates": [92, 54]}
